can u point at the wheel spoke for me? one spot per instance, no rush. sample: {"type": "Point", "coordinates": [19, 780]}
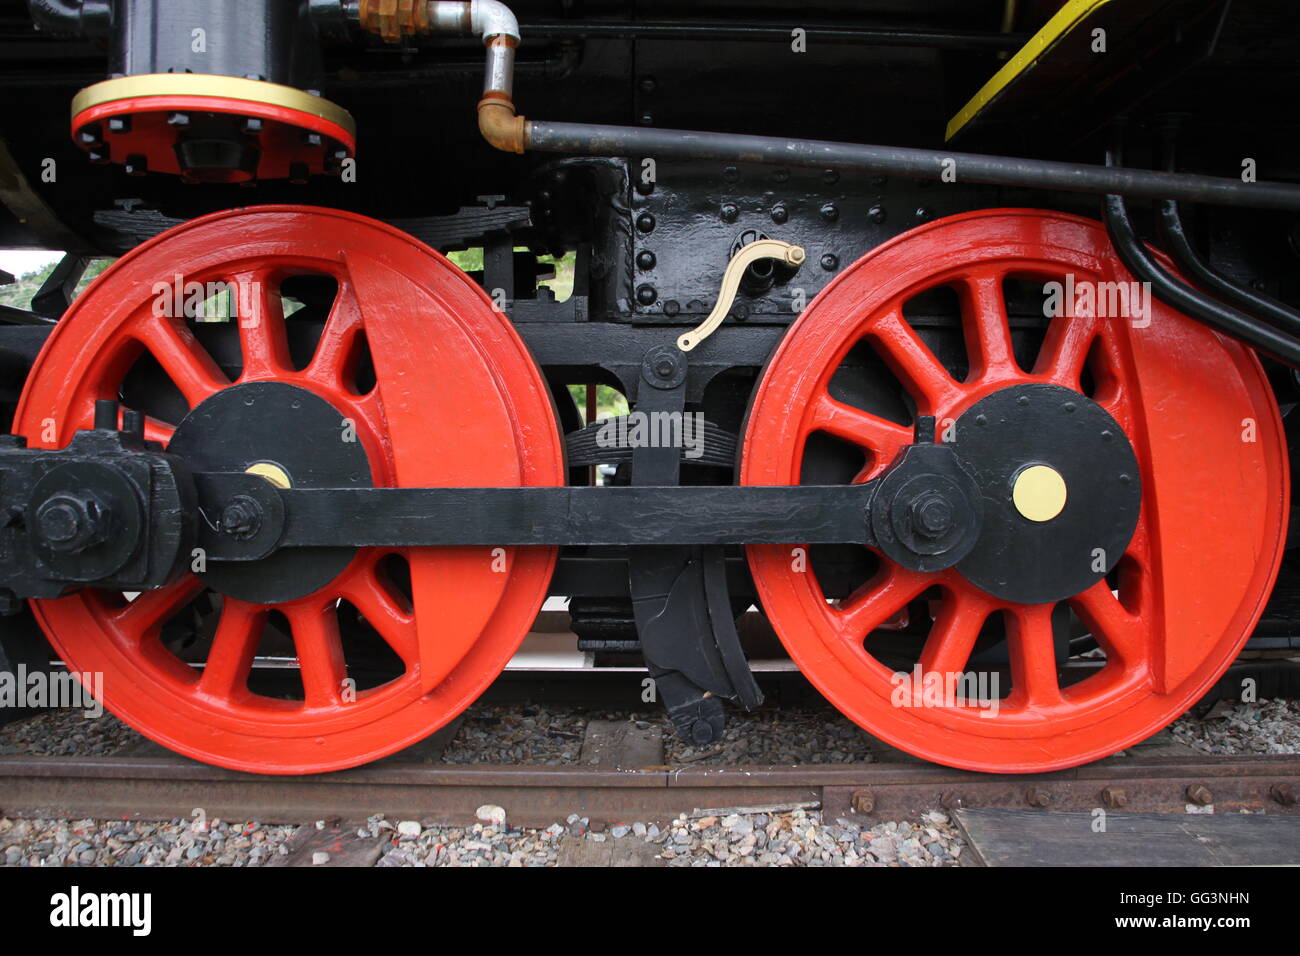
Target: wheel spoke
{"type": "Point", "coordinates": [155, 429]}
{"type": "Point", "coordinates": [234, 646]}
{"type": "Point", "coordinates": [911, 359]}
{"type": "Point", "coordinates": [881, 436]}
{"type": "Point", "coordinates": [262, 337]}
{"type": "Point", "coordinates": [876, 602]}
{"type": "Point", "coordinates": [185, 361]}
{"type": "Point", "coordinates": [987, 331]}
{"type": "Point", "coordinates": [951, 640]}
{"type": "Point", "coordinates": [152, 609]}
{"type": "Point", "coordinates": [1121, 634]}
{"type": "Point", "coordinates": [344, 323]}
{"type": "Point", "coordinates": [393, 623]}
{"type": "Point", "coordinates": [1065, 350]}
{"type": "Point", "coordinates": [315, 628]}
{"type": "Point", "coordinates": [1033, 655]}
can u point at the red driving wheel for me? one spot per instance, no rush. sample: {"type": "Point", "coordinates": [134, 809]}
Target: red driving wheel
{"type": "Point", "coordinates": [431, 387]}
{"type": "Point", "coordinates": [1194, 576]}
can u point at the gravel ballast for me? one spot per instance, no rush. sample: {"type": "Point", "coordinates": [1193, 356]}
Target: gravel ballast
{"type": "Point", "coordinates": [553, 735]}
{"type": "Point", "coordinates": [795, 837]}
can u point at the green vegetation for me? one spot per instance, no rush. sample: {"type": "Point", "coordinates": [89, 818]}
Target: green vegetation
{"type": "Point", "coordinates": [471, 260]}
{"type": "Point", "coordinates": [19, 294]}
{"type": "Point", "coordinates": [609, 402]}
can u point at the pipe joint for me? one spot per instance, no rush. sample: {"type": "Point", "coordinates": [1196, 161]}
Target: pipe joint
{"type": "Point", "coordinates": [491, 18]}
{"type": "Point", "coordinates": [500, 125]}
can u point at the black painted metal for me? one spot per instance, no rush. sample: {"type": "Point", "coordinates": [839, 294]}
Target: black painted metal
{"type": "Point", "coordinates": [290, 427]}
{"type": "Point", "coordinates": [1254, 332]}
{"type": "Point", "coordinates": [567, 516]}
{"type": "Point", "coordinates": [1033, 562]}
{"type": "Point", "coordinates": [592, 139]}
{"type": "Point", "coordinates": [105, 510]}
{"type": "Point", "coordinates": [56, 292]}
{"type": "Point", "coordinates": [247, 38]}
{"type": "Point", "coordinates": [772, 33]}
{"type": "Point", "coordinates": [1184, 253]}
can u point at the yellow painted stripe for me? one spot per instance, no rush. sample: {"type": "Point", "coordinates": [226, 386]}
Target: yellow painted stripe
{"type": "Point", "coordinates": [1055, 30]}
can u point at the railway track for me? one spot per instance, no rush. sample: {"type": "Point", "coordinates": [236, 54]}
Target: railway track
{"type": "Point", "coordinates": [168, 787]}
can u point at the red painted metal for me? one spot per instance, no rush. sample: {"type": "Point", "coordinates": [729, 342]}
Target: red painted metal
{"type": "Point", "coordinates": [459, 402]}
{"type": "Point", "coordinates": [1204, 425]}
{"type": "Point", "coordinates": [150, 135]}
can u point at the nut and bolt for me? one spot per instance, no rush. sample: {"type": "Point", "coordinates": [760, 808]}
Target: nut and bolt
{"type": "Point", "coordinates": [1114, 797]}
{"type": "Point", "coordinates": [1038, 797]}
{"type": "Point", "coordinates": [730, 212]}
{"type": "Point", "coordinates": [1283, 793]}
{"type": "Point", "coordinates": [69, 523]}
{"type": "Point", "coordinates": [864, 801]}
{"type": "Point", "coordinates": [931, 515]}
{"type": "Point", "coordinates": [1200, 795]}
{"type": "Point", "coordinates": [242, 518]}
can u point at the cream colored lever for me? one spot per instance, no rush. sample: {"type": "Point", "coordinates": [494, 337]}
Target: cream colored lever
{"type": "Point", "coordinates": [742, 260]}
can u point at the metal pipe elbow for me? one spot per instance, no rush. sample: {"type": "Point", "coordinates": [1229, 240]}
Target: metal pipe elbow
{"type": "Point", "coordinates": [499, 124]}
{"type": "Point", "coordinates": [491, 18]}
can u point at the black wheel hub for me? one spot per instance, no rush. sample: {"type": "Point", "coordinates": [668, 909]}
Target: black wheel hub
{"type": "Point", "coordinates": [300, 435]}
{"type": "Point", "coordinates": [1060, 487]}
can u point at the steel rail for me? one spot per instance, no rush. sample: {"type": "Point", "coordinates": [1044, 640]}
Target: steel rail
{"type": "Point", "coordinates": [164, 788]}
